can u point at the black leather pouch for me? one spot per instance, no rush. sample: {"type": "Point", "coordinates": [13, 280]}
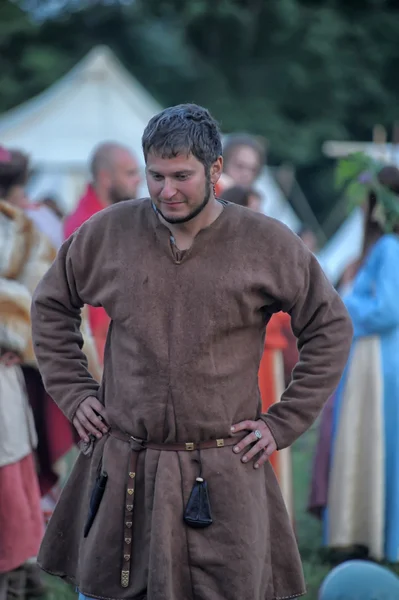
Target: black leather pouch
{"type": "Point", "coordinates": [95, 499]}
{"type": "Point", "coordinates": [197, 513]}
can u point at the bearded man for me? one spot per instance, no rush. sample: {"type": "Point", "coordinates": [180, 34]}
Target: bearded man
{"type": "Point", "coordinates": [173, 497]}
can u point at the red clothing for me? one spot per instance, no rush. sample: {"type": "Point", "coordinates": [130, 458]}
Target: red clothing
{"type": "Point", "coordinates": [271, 386]}
{"type": "Point", "coordinates": [53, 429]}
{"type": "Point", "coordinates": [268, 387]}
{"type": "Point", "coordinates": [88, 206]}
{"type": "Point", "coordinates": [218, 189]}
{"type": "Point", "coordinates": [21, 519]}
{"type": "Point", "coordinates": [275, 338]}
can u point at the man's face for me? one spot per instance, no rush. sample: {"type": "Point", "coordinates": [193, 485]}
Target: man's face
{"type": "Point", "coordinates": [123, 177]}
{"type": "Point", "coordinates": [243, 166]}
{"type": "Point", "coordinates": [179, 186]}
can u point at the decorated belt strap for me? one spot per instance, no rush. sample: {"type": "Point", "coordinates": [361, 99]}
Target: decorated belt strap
{"type": "Point", "coordinates": [128, 519]}
{"type": "Point", "coordinates": [136, 447]}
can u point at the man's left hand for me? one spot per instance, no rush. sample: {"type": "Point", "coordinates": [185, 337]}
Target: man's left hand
{"type": "Point", "coordinates": [262, 443]}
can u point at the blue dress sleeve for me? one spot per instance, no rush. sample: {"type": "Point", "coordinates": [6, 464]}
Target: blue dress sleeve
{"type": "Point", "coordinates": [376, 310]}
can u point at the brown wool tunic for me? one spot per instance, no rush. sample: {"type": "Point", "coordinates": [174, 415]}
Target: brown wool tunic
{"type": "Point", "coordinates": [181, 365]}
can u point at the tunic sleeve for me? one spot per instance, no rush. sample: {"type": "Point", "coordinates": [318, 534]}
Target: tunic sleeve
{"type": "Point", "coordinates": [324, 331]}
{"type": "Point", "coordinates": [377, 312]}
{"type": "Point", "coordinates": [56, 319]}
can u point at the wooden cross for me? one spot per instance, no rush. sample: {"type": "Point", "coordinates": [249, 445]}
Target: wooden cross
{"type": "Point", "coordinates": [378, 148]}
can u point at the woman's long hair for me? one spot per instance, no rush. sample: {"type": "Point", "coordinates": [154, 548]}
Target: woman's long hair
{"type": "Point", "coordinates": [389, 177]}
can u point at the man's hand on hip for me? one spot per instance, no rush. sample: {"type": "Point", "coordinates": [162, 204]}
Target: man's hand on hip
{"type": "Point", "coordinates": [90, 418]}
{"type": "Point", "coordinates": [260, 438]}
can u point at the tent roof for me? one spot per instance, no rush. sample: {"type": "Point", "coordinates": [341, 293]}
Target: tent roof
{"type": "Point", "coordinates": [97, 100]}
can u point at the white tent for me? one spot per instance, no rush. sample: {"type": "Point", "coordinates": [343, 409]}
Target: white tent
{"type": "Point", "coordinates": [275, 203]}
{"type": "Point", "coordinates": [97, 101]}
{"type": "Point", "coordinates": [343, 248]}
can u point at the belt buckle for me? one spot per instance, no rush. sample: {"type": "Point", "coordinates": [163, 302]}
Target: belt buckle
{"type": "Point", "coordinates": [190, 446]}
{"type": "Point", "coordinates": [137, 440]}
{"type": "Point", "coordinates": [220, 443]}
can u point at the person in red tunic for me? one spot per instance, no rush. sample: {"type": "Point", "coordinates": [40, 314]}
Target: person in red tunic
{"type": "Point", "coordinates": [115, 178]}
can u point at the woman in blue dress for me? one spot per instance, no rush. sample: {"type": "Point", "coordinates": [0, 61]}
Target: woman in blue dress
{"type": "Point", "coordinates": [363, 491]}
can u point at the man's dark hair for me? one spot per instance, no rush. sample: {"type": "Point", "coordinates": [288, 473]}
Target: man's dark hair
{"type": "Point", "coordinates": [183, 129]}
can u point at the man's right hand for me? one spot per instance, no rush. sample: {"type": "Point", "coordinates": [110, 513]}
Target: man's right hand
{"type": "Point", "coordinates": [90, 418]}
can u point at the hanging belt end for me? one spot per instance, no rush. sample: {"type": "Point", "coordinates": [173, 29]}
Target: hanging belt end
{"type": "Point", "coordinates": [125, 579]}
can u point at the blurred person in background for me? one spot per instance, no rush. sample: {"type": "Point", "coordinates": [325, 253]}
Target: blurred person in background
{"type": "Point", "coordinates": [24, 258]}
{"type": "Point", "coordinates": [243, 196]}
{"type": "Point", "coordinates": [43, 217]}
{"type": "Point", "coordinates": [47, 222]}
{"type": "Point", "coordinates": [54, 205]}
{"type": "Point", "coordinates": [244, 156]}
{"type": "Point", "coordinates": [115, 177]}
{"type": "Point", "coordinates": [29, 255]}
{"type": "Point", "coordinates": [363, 485]}
{"type": "Point", "coordinates": [271, 369]}
{"type": "Point", "coordinates": [48, 217]}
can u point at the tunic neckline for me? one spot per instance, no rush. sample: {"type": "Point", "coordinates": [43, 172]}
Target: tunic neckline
{"type": "Point", "coordinates": [167, 237]}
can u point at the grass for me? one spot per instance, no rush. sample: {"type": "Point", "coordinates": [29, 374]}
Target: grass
{"type": "Point", "coordinates": [58, 590]}
{"type": "Point", "coordinates": [308, 529]}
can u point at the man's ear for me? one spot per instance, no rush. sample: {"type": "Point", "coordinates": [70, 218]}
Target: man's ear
{"type": "Point", "coordinates": [216, 170]}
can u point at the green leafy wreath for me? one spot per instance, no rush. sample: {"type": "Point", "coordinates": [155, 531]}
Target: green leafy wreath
{"type": "Point", "coordinates": [357, 175]}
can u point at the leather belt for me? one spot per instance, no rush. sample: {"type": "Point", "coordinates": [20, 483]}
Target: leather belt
{"type": "Point", "coordinates": [171, 446]}
{"type": "Point", "coordinates": [137, 446]}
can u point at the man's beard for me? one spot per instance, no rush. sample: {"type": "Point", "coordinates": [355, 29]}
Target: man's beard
{"type": "Point", "coordinates": [193, 214]}
{"type": "Point", "coordinates": [115, 196]}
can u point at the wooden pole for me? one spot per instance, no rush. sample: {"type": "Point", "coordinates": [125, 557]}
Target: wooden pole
{"type": "Point", "coordinates": [395, 142]}
{"type": "Point", "coordinates": [379, 134]}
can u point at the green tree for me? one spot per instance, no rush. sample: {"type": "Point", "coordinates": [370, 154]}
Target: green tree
{"type": "Point", "coordinates": [297, 72]}
{"type": "Point", "coordinates": [27, 65]}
